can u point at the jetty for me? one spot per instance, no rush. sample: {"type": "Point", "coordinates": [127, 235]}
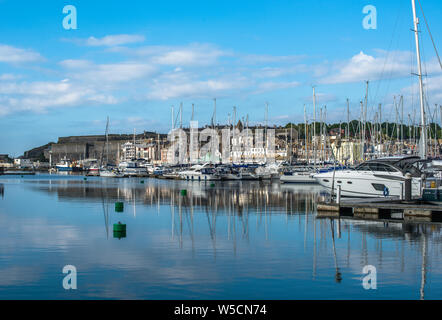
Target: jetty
{"type": "Point", "coordinates": [378, 208]}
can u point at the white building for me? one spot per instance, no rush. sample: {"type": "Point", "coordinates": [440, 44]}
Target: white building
{"type": "Point", "coordinates": [23, 163]}
{"type": "Point", "coordinates": [129, 151]}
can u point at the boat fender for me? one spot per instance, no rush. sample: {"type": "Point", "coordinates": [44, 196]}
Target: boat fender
{"type": "Point", "coordinates": [386, 192]}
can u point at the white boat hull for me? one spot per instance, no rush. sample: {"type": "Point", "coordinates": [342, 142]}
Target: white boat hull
{"type": "Point", "coordinates": [200, 177]}
{"type": "Point", "coordinates": [110, 174]}
{"type": "Point", "coordinates": [362, 185]}
{"type": "Point", "coordinates": [298, 178]}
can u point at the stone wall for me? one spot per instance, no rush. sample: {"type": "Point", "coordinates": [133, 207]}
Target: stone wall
{"type": "Point", "coordinates": [93, 147]}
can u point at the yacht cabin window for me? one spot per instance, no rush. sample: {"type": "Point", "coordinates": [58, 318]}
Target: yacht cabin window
{"type": "Point", "coordinates": [375, 166]}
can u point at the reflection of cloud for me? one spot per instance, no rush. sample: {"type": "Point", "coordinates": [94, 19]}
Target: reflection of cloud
{"type": "Point", "coordinates": [206, 260]}
{"type": "Point", "coordinates": [18, 275]}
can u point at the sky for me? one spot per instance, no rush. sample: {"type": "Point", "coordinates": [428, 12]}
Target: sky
{"type": "Point", "coordinates": [134, 60]}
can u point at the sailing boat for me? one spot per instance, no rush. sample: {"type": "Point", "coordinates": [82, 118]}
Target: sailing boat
{"type": "Point", "coordinates": [107, 171]}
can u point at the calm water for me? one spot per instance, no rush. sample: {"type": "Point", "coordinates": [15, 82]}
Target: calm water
{"type": "Point", "coordinates": [236, 240]}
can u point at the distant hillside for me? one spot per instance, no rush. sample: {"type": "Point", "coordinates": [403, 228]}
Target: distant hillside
{"type": "Point", "coordinates": [37, 153]}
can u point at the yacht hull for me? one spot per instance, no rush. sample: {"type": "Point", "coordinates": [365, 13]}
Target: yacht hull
{"type": "Point", "coordinates": [366, 185]}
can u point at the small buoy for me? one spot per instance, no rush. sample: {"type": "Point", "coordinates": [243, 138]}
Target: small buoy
{"type": "Point", "coordinates": [84, 178]}
{"type": "Point", "coordinates": [119, 230]}
{"type": "Point", "coordinates": [142, 181]}
{"type": "Point", "coordinates": [119, 226]}
{"type": "Point", "coordinates": [212, 185]}
{"type": "Point", "coordinates": [120, 234]}
{"type": "Point", "coordinates": [184, 192]}
{"type": "Point", "coordinates": [119, 206]}
{"type": "Point", "coordinates": [22, 176]}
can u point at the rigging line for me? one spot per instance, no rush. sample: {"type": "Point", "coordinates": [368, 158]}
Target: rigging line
{"type": "Point", "coordinates": [429, 32]}
{"type": "Point", "coordinates": [388, 53]}
{"type": "Point", "coordinates": [425, 75]}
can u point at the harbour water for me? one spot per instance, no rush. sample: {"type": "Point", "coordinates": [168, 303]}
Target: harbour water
{"type": "Point", "coordinates": [221, 240]}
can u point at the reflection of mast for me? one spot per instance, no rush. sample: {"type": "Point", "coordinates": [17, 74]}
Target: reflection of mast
{"type": "Point", "coordinates": [191, 220]}
{"type": "Point", "coordinates": [314, 247]}
{"type": "Point", "coordinates": [180, 212]}
{"type": "Point", "coordinates": [172, 208]}
{"type": "Point", "coordinates": [348, 246]}
{"type": "Point", "coordinates": [424, 267]}
{"type": "Point", "coordinates": [212, 232]}
{"type": "Point", "coordinates": [135, 208]}
{"type": "Point", "coordinates": [338, 276]}
{"type": "Point", "coordinates": [105, 213]}
{"type": "Point", "coordinates": [265, 220]}
{"type": "Point", "coordinates": [305, 228]}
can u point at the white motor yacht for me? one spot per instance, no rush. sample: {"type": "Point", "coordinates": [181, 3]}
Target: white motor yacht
{"type": "Point", "coordinates": [298, 177]}
{"type": "Point", "coordinates": [376, 178]}
{"type": "Point", "coordinates": [108, 173]}
{"type": "Point", "coordinates": [199, 173]}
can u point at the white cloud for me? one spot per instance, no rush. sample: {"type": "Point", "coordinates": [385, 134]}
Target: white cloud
{"type": "Point", "coordinates": [432, 88]}
{"type": "Point", "coordinates": [267, 86]}
{"type": "Point", "coordinates": [179, 87]}
{"type": "Point", "coordinates": [76, 64]}
{"type": "Point", "coordinates": [114, 40]}
{"type": "Point", "coordinates": [118, 72]}
{"type": "Point", "coordinates": [40, 96]}
{"type": "Point", "coordinates": [363, 67]}
{"type": "Point", "coordinates": [11, 54]}
{"type": "Point", "coordinates": [190, 55]}
{"type": "Point", "coordinates": [198, 55]}
{"type": "Point", "coordinates": [262, 58]}
{"type": "Point", "coordinates": [9, 76]}
{"type": "Point", "coordinates": [322, 97]}
{"type": "Point", "coordinates": [87, 71]}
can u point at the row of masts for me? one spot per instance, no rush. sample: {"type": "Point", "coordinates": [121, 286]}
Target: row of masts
{"type": "Point", "coordinates": [375, 129]}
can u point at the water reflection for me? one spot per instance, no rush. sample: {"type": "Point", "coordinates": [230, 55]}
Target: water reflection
{"type": "Point", "coordinates": [204, 244]}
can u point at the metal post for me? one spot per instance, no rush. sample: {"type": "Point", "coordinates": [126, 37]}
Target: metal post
{"type": "Point", "coordinates": [408, 187]}
{"type": "Point", "coordinates": [338, 195]}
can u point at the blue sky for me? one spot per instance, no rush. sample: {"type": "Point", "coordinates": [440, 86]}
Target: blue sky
{"type": "Point", "coordinates": [133, 60]}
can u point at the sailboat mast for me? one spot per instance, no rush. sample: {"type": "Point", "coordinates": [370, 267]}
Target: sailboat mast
{"type": "Point", "coordinates": [314, 128]}
{"type": "Point", "coordinates": [423, 148]}
{"type": "Point", "coordinates": [305, 136]}
{"type": "Point", "coordinates": [348, 120]}
{"type": "Point", "coordinates": [181, 115]}
{"type": "Point", "coordinates": [107, 141]}
{"type": "Point", "coordinates": [266, 132]}
{"type": "Point", "coordinates": [173, 120]}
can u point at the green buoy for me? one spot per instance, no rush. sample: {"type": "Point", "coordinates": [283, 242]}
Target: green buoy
{"type": "Point", "coordinates": [119, 206]}
{"type": "Point", "coordinates": [119, 230]}
{"type": "Point", "coordinates": [142, 181]}
{"type": "Point", "coordinates": [212, 185]}
{"type": "Point", "coordinates": [84, 178]}
{"type": "Point", "coordinates": [184, 192]}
